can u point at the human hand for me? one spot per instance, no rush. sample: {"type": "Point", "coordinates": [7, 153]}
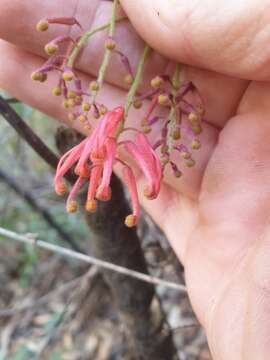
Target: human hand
{"type": "Point", "coordinates": [216, 216]}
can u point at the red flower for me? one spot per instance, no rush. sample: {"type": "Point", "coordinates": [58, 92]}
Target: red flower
{"type": "Point", "coordinates": [95, 157]}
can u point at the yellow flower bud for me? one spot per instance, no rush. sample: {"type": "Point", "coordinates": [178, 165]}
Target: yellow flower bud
{"type": "Point", "coordinates": [62, 189]}
{"type": "Point", "coordinates": [91, 206]}
{"type": "Point", "coordinates": [128, 79]}
{"type": "Point", "coordinates": [51, 49]}
{"type": "Point", "coordinates": [137, 104]}
{"type": "Point", "coordinates": [110, 44]}
{"type": "Point", "coordinates": [193, 118]}
{"type": "Point", "coordinates": [196, 129]}
{"type": "Point", "coordinates": [146, 129]}
{"type": "Point", "coordinates": [190, 163]}
{"type": "Point", "coordinates": [42, 25]}
{"type": "Point", "coordinates": [72, 206]}
{"type": "Point", "coordinates": [56, 91]}
{"type": "Point", "coordinates": [185, 155]}
{"type": "Point", "coordinates": [176, 134]}
{"type": "Point", "coordinates": [131, 221]}
{"type": "Point", "coordinates": [163, 99]}
{"type": "Point", "coordinates": [82, 119]}
{"type": "Point", "coordinates": [195, 145]}
{"type": "Point", "coordinates": [68, 75]}
{"type": "Point", "coordinates": [86, 107]}
{"type": "Point", "coordinates": [157, 82]}
{"type": "Point", "coordinates": [71, 94]}
{"type": "Point", "coordinates": [94, 86]}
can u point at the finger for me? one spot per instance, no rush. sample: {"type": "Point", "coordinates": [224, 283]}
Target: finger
{"type": "Point", "coordinates": [18, 26]}
{"type": "Point", "coordinates": [214, 35]}
{"type": "Point", "coordinates": [16, 80]}
{"type": "Point", "coordinates": [212, 86]}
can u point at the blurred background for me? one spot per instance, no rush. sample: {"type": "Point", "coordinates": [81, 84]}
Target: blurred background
{"type": "Point", "coordinates": [49, 308]}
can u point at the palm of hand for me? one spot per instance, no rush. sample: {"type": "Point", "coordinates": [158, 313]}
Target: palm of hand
{"type": "Point", "coordinates": [216, 217]}
{"type": "Point", "coordinates": [222, 235]}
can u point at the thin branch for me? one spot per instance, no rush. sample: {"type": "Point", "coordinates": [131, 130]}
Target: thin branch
{"type": "Point", "coordinates": [134, 87]}
{"type": "Point", "coordinates": [27, 196]}
{"type": "Point", "coordinates": [91, 260]}
{"type": "Point", "coordinates": [29, 136]}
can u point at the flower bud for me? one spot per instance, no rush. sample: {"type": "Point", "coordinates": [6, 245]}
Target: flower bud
{"type": "Point", "coordinates": [157, 82]}
{"type": "Point", "coordinates": [110, 44]}
{"type": "Point", "coordinates": [66, 104]}
{"type": "Point", "coordinates": [148, 193]}
{"type": "Point", "coordinates": [176, 134]}
{"type": "Point", "coordinates": [163, 99]}
{"type": "Point", "coordinates": [72, 206]}
{"type": "Point", "coordinates": [131, 221]}
{"type": "Point", "coordinates": [36, 76]}
{"type": "Point", "coordinates": [78, 99]}
{"type": "Point", "coordinates": [71, 94]}
{"type": "Point", "coordinates": [146, 129]}
{"type": "Point", "coordinates": [164, 149]}
{"type": "Point", "coordinates": [42, 25]}
{"type": "Point", "coordinates": [193, 118]}
{"type": "Point", "coordinates": [71, 103]}
{"type": "Point", "coordinates": [128, 79]}
{"type": "Point", "coordinates": [190, 163]}
{"type": "Point", "coordinates": [185, 155]}
{"type": "Point", "coordinates": [82, 118]}
{"type": "Point", "coordinates": [68, 75]}
{"type": "Point", "coordinates": [56, 91]}
{"type": "Point", "coordinates": [137, 104]}
{"type": "Point", "coordinates": [94, 86]}
{"type": "Point", "coordinates": [61, 189]}
{"type": "Point", "coordinates": [87, 127]}
{"type": "Point", "coordinates": [196, 129]}
{"type": "Point", "coordinates": [51, 49]}
{"type": "Point", "coordinates": [86, 107]}
{"type": "Point", "coordinates": [177, 173]}
{"type": "Point", "coordinates": [91, 206]}
{"type": "Point", "coordinates": [39, 76]}
{"type": "Point", "coordinates": [195, 145]}
{"type": "Point", "coordinates": [164, 160]}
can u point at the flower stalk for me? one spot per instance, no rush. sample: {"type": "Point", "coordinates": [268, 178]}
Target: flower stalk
{"type": "Point", "coordinates": [176, 83]}
{"type": "Point", "coordinates": [85, 38]}
{"type": "Point", "coordinates": [138, 77]}
{"type": "Point", "coordinates": [108, 51]}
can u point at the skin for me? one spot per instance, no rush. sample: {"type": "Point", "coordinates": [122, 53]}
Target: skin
{"type": "Point", "coordinates": [217, 216]}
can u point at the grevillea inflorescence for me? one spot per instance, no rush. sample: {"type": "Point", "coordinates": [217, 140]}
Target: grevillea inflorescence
{"type": "Point", "coordinates": [93, 159]}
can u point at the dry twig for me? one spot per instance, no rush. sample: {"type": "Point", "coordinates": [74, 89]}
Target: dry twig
{"type": "Point", "coordinates": [91, 260]}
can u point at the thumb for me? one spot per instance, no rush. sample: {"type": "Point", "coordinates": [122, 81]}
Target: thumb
{"type": "Point", "coordinates": [225, 36]}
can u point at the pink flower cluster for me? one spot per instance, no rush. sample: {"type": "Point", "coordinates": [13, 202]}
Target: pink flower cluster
{"type": "Point", "coordinates": [95, 157]}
